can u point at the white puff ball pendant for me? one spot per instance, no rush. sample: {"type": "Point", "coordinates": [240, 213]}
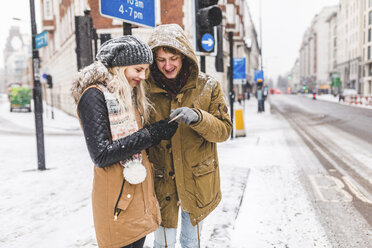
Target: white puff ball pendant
{"type": "Point", "coordinates": [134, 172]}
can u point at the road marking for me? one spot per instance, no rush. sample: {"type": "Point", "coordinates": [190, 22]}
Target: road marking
{"type": "Point", "coordinates": [329, 188]}
{"type": "Point", "coordinates": [354, 189]}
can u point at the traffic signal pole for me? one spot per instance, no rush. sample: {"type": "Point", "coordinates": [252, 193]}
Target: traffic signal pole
{"type": "Point", "coordinates": [202, 63]}
{"type": "Point", "coordinates": [231, 80]}
{"type": "Point", "coordinates": [38, 104]}
{"type": "Point", "coordinates": [127, 28]}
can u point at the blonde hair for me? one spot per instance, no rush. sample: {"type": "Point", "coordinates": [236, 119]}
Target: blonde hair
{"type": "Point", "coordinates": [126, 95]}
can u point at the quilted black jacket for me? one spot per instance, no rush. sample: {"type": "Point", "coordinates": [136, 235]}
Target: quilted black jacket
{"type": "Point", "coordinates": [93, 114]}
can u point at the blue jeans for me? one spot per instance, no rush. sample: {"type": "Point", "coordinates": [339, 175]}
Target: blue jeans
{"type": "Point", "coordinates": [188, 237]}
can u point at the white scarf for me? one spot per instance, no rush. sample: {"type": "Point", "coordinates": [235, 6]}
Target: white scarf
{"type": "Point", "coordinates": [122, 124]}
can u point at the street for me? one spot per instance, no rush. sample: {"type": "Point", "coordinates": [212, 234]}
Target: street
{"type": "Point", "coordinates": [338, 137]}
{"type": "Point", "coordinates": [300, 178]}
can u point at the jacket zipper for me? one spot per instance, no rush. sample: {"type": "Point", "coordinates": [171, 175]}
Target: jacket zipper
{"type": "Point", "coordinates": [116, 210]}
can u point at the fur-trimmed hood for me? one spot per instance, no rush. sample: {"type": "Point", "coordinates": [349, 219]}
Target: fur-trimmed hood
{"type": "Point", "coordinates": [96, 73]}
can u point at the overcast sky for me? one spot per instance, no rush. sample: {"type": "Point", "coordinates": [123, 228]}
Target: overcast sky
{"type": "Point", "coordinates": [283, 24]}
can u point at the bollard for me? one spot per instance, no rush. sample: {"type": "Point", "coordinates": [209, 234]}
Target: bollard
{"type": "Point", "coordinates": [239, 121]}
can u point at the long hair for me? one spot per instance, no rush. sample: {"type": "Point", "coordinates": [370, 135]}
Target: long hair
{"type": "Point", "coordinates": [126, 95]}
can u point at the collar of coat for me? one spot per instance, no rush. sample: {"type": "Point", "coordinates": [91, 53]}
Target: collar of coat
{"type": "Point", "coordinates": [191, 82]}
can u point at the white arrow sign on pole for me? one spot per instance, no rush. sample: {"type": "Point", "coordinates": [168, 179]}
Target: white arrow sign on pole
{"type": "Point", "coordinates": [207, 42]}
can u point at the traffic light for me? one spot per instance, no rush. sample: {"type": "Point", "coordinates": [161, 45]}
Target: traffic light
{"type": "Point", "coordinates": [84, 34]}
{"type": "Point", "coordinates": [207, 16]}
{"type": "Point", "coordinates": [49, 81]}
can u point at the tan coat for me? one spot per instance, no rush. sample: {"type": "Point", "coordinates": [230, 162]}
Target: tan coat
{"type": "Point", "coordinates": [139, 208]}
{"type": "Point", "coordinates": [186, 168]}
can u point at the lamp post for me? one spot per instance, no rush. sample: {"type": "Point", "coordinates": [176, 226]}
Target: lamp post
{"type": "Point", "coordinates": [38, 107]}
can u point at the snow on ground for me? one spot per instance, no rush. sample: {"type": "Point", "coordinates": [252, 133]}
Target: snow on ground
{"type": "Point", "coordinates": [332, 98]}
{"type": "Point", "coordinates": [52, 208]}
{"type": "Point", "coordinates": [275, 211]}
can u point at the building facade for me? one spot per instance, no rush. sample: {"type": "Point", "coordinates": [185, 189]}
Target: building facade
{"type": "Point", "coordinates": [59, 58]}
{"type": "Point", "coordinates": [334, 74]}
{"type": "Point", "coordinates": [349, 37]}
{"type": "Point", "coordinates": [366, 81]}
{"type": "Point", "coordinates": [17, 59]}
{"type": "Point", "coordinates": [314, 52]}
{"type": "Point", "coordinates": [294, 78]}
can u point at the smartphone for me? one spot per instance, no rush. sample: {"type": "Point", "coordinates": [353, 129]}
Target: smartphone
{"type": "Point", "coordinates": [175, 118]}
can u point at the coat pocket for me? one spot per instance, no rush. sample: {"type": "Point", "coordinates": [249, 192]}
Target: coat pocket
{"type": "Point", "coordinates": [126, 197]}
{"type": "Point", "coordinates": [206, 183]}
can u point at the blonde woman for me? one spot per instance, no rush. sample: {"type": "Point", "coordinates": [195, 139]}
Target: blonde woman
{"type": "Point", "coordinates": [112, 108]}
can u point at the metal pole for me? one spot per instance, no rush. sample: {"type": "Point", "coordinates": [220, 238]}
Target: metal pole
{"type": "Point", "coordinates": [127, 28]}
{"type": "Point", "coordinates": [231, 82]}
{"type": "Point", "coordinates": [51, 102]}
{"type": "Point", "coordinates": [261, 35]}
{"type": "Point", "coordinates": [202, 63]}
{"type": "Point", "coordinates": [38, 104]}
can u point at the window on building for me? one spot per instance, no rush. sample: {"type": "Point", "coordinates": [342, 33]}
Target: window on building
{"type": "Point", "coordinates": [369, 35]}
{"type": "Point", "coordinates": [370, 70]}
{"type": "Point", "coordinates": [335, 42]}
{"type": "Point", "coordinates": [369, 17]}
{"type": "Point", "coordinates": [370, 3]}
{"type": "Point", "coordinates": [369, 53]}
{"type": "Point", "coordinates": [48, 11]}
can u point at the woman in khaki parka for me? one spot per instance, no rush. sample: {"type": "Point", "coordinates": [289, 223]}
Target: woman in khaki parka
{"type": "Point", "coordinates": [186, 167]}
{"type": "Point", "coordinates": [112, 108]}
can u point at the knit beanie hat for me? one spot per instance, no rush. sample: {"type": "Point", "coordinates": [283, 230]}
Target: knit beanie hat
{"type": "Point", "coordinates": [124, 51]}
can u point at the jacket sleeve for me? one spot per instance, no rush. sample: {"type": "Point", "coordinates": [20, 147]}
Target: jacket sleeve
{"type": "Point", "coordinates": [214, 125]}
{"type": "Point", "coordinates": [93, 115]}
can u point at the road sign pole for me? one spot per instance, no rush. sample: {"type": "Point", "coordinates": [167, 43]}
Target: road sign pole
{"type": "Point", "coordinates": [202, 63]}
{"type": "Point", "coordinates": [38, 104]}
{"type": "Point", "coordinates": [127, 28]}
{"type": "Point", "coordinates": [231, 80]}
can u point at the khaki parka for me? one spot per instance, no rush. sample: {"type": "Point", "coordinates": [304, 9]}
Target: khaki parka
{"type": "Point", "coordinates": [186, 167]}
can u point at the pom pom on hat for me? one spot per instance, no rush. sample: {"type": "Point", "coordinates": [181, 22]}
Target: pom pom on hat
{"type": "Point", "coordinates": [124, 51]}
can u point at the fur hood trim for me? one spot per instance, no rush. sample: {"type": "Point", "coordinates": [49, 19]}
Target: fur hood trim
{"type": "Point", "coordinates": [95, 73]}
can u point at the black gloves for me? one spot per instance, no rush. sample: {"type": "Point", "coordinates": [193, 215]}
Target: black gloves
{"type": "Point", "coordinates": [162, 130]}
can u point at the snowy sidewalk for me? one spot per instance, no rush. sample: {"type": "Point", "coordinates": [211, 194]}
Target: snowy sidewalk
{"type": "Point", "coordinates": [24, 122]}
{"type": "Point", "coordinates": [275, 211]}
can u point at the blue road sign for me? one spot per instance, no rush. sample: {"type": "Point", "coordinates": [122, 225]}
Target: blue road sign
{"type": "Point", "coordinates": [239, 68]}
{"type": "Point", "coordinates": [140, 12]}
{"type": "Point", "coordinates": [41, 40]}
{"type": "Point", "coordinates": [258, 75]}
{"type": "Point", "coordinates": [207, 42]}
